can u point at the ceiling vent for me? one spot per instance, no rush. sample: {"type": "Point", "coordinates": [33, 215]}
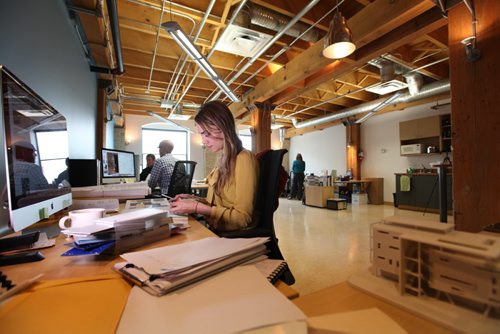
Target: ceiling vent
{"type": "Point", "coordinates": [387, 87]}
{"type": "Point", "coordinates": [242, 41]}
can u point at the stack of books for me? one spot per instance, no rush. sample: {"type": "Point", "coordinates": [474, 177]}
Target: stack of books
{"type": "Point", "coordinates": [120, 233]}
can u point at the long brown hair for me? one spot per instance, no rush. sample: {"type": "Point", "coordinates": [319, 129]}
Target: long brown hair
{"type": "Point", "coordinates": [215, 114]}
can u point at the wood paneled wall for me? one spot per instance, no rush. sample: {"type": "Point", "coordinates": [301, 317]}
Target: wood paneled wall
{"type": "Point", "coordinates": [475, 117]}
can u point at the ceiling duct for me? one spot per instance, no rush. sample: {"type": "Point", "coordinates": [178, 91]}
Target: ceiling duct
{"type": "Point", "coordinates": [269, 19]}
{"type": "Point", "coordinates": [239, 38]}
{"type": "Point", "coordinates": [388, 81]}
{"type": "Point", "coordinates": [433, 89]}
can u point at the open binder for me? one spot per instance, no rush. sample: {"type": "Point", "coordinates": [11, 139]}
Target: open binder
{"type": "Point", "coordinates": [162, 270]}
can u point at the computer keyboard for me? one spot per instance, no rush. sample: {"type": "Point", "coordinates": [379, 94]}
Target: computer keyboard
{"type": "Point", "coordinates": [120, 190]}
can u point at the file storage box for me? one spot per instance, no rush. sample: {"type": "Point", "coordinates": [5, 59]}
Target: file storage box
{"type": "Point", "coordinates": [336, 204]}
{"type": "Point", "coordinates": [359, 198]}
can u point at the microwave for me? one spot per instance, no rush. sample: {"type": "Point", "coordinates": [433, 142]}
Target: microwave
{"type": "Point", "coordinates": [412, 149]}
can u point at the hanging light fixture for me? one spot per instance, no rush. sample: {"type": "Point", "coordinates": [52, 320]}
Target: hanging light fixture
{"type": "Point", "coordinates": [338, 41]}
{"type": "Point", "coordinates": [185, 43]}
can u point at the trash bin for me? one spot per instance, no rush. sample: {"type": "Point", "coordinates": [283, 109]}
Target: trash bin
{"type": "Point", "coordinates": [395, 199]}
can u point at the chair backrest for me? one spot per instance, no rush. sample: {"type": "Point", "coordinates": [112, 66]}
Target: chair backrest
{"type": "Point", "coordinates": [182, 176]}
{"type": "Point", "coordinates": [268, 190]}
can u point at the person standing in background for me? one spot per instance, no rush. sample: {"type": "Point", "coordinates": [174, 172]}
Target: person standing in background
{"type": "Point", "coordinates": [298, 168]}
{"type": "Point", "coordinates": [150, 161]}
{"type": "Point", "coordinates": [163, 167]}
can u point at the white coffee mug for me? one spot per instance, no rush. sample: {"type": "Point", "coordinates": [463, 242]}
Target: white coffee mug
{"type": "Point", "coordinates": [81, 218]}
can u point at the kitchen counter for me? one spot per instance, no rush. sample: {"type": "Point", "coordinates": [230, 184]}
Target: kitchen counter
{"type": "Point", "coordinates": [424, 192]}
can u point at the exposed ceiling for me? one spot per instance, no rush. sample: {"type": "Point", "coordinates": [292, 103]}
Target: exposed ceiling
{"type": "Point", "coordinates": [291, 74]}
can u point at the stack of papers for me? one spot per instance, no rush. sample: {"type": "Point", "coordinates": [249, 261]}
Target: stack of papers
{"type": "Point", "coordinates": [164, 269]}
{"type": "Point", "coordinates": [236, 300]}
{"type": "Point", "coordinates": [119, 233]}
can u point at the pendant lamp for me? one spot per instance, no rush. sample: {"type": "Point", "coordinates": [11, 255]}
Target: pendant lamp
{"type": "Point", "coordinates": [338, 41]}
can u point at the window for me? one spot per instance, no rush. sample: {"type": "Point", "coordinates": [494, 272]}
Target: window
{"type": "Point", "coordinates": [151, 137]}
{"type": "Point", "coordinates": [52, 152]}
{"type": "Point", "coordinates": [246, 138]}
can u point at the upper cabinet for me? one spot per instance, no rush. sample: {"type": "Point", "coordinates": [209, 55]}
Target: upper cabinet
{"type": "Point", "coordinates": [432, 133]}
{"type": "Point", "coordinates": [419, 128]}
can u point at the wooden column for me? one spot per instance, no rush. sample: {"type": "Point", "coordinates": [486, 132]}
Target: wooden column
{"type": "Point", "coordinates": [100, 133]}
{"type": "Point", "coordinates": [261, 127]}
{"type": "Point", "coordinates": [352, 149]}
{"type": "Point", "coordinates": [475, 117]}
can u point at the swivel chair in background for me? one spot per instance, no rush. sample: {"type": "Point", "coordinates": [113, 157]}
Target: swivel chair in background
{"type": "Point", "coordinates": [182, 176]}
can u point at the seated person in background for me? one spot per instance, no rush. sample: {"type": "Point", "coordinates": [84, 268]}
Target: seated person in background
{"type": "Point", "coordinates": [163, 167]}
{"type": "Point", "coordinates": [232, 185]}
{"type": "Point", "coordinates": [28, 176]}
{"type": "Point", "coordinates": [63, 176]}
{"type": "Point", "coordinates": [150, 161]}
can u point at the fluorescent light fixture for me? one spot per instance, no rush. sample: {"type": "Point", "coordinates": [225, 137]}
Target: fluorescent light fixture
{"type": "Point", "coordinates": [166, 120]}
{"type": "Point", "coordinates": [276, 126]}
{"type": "Point", "coordinates": [179, 117]}
{"type": "Point", "coordinates": [185, 43]}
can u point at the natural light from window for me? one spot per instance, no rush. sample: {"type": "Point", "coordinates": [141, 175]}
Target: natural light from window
{"type": "Point", "coordinates": [152, 137]}
{"type": "Point", "coordinates": [52, 152]}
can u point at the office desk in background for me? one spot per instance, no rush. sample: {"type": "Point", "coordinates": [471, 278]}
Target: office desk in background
{"type": "Point", "coordinates": [199, 189]}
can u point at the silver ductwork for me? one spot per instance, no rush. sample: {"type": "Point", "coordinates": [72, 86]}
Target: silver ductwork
{"type": "Point", "coordinates": [430, 90]}
{"type": "Point", "coordinates": [266, 18]}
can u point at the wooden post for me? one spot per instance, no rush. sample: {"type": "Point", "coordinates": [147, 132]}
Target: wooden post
{"type": "Point", "coordinates": [261, 127]}
{"type": "Point", "coordinates": [100, 134]}
{"type": "Point", "coordinates": [352, 149]}
{"type": "Point", "coordinates": [474, 116]}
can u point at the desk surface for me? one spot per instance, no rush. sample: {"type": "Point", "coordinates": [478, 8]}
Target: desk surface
{"type": "Point", "coordinates": [55, 266]}
{"type": "Point", "coordinates": [343, 298]}
{"type": "Point", "coordinates": [338, 298]}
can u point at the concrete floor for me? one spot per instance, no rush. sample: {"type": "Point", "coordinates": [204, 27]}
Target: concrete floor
{"type": "Point", "coordinates": [324, 247]}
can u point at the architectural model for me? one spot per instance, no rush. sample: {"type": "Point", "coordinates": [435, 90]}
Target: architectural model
{"type": "Point", "coordinates": [432, 260]}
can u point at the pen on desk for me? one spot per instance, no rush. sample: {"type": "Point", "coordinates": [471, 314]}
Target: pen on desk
{"type": "Point", "coordinates": [167, 197]}
{"type": "Point", "coordinates": [20, 287]}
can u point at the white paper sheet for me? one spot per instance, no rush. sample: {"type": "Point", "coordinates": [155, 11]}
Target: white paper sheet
{"type": "Point", "coordinates": [170, 258]}
{"type": "Point", "coordinates": [370, 320]}
{"type": "Point", "coordinates": [235, 300]}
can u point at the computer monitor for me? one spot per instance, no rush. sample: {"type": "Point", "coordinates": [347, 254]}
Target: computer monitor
{"type": "Point", "coordinates": [28, 196]}
{"type": "Point", "coordinates": [117, 164]}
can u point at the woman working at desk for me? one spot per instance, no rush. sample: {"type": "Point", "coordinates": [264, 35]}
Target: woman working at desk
{"type": "Point", "coordinates": [232, 185]}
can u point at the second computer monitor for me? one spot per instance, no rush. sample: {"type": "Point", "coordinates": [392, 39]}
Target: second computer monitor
{"type": "Point", "coordinates": [117, 164]}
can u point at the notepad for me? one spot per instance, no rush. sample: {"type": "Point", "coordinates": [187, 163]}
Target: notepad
{"type": "Point", "coordinates": [272, 269]}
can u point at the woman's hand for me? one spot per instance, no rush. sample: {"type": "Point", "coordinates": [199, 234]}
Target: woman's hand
{"type": "Point", "coordinates": [183, 196]}
{"type": "Point", "coordinates": [183, 206]}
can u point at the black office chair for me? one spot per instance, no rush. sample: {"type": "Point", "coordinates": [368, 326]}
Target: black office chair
{"type": "Point", "coordinates": [182, 176]}
{"type": "Point", "coordinates": [266, 204]}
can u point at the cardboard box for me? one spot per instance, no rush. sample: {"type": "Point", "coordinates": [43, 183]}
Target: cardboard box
{"type": "Point", "coordinates": [336, 204]}
{"type": "Point", "coordinates": [359, 198]}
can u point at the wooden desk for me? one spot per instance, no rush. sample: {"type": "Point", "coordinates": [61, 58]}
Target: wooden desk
{"type": "Point", "coordinates": [55, 266]}
{"type": "Point", "coordinates": [343, 298]}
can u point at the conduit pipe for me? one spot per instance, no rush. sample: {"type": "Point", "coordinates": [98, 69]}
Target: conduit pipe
{"type": "Point", "coordinates": [430, 90]}
{"type": "Point", "coordinates": [117, 44]}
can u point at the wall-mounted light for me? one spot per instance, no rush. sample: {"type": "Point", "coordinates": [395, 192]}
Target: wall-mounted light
{"type": "Point", "coordinates": [338, 41]}
{"type": "Point", "coordinates": [472, 54]}
{"type": "Point", "coordinates": [185, 43]}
